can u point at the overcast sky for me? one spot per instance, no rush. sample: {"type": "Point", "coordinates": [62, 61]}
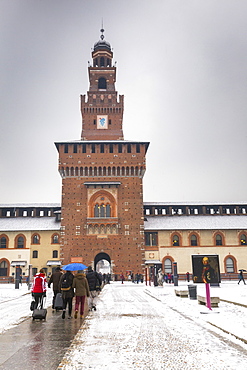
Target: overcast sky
{"type": "Point", "coordinates": [181, 65]}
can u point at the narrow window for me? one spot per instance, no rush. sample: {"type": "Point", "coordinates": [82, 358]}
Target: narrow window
{"type": "Point", "coordinates": [108, 210]}
{"type": "Point", "coordinates": [35, 254]}
{"type": "Point", "coordinates": [102, 148]}
{"type": "Point", "coordinates": [55, 254]}
{"type": "Point", "coordinates": [96, 210]}
{"type": "Point", "coordinates": [120, 148]}
{"type": "Point", "coordinates": [218, 239]}
{"type": "Point", "coordinates": [193, 241]}
{"type": "Point", "coordinates": [229, 265]}
{"type": "Point", "coordinates": [84, 148]}
{"type": "Point", "coordinates": [102, 62]}
{"type": "Point", "coordinates": [20, 242]}
{"type": "Point", "coordinates": [111, 148]}
{"type": "Point", "coordinates": [66, 148]}
{"type": "Point", "coordinates": [168, 266]}
{"type": "Point", "coordinates": [75, 148]}
{"type": "Point", "coordinates": [93, 148]}
{"type": "Point", "coordinates": [35, 239]}
{"type": "Point", "coordinates": [243, 239]}
{"type": "Point", "coordinates": [3, 268]}
{"type": "Point", "coordinates": [137, 148]}
{"type": "Point", "coordinates": [175, 241]}
{"type": "Point", "coordinates": [3, 242]}
{"type": "Point", "coordinates": [102, 83]}
{"type": "Point", "coordinates": [55, 239]}
{"type": "Point", "coordinates": [129, 148]}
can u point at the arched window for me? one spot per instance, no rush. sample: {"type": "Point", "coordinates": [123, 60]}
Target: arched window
{"type": "Point", "coordinates": [3, 268]}
{"type": "Point", "coordinates": [193, 240]}
{"type": "Point", "coordinates": [55, 239]}
{"type": "Point", "coordinates": [243, 239]}
{"type": "Point", "coordinates": [96, 210]}
{"type": "Point", "coordinates": [108, 210]}
{"type": "Point", "coordinates": [175, 241]}
{"type": "Point", "coordinates": [20, 242]}
{"type": "Point", "coordinates": [3, 242]}
{"type": "Point", "coordinates": [168, 266]}
{"type": "Point", "coordinates": [35, 254]}
{"type": "Point", "coordinates": [102, 83]}
{"type": "Point", "coordinates": [55, 254]}
{"type": "Point", "coordinates": [218, 239]}
{"type": "Point", "coordinates": [229, 265]}
{"type": "Point", "coordinates": [36, 239]}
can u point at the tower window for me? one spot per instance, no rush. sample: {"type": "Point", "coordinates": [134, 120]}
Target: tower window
{"type": "Point", "coordinates": [129, 148]}
{"type": "Point", "coordinates": [102, 62]}
{"type": "Point", "coordinates": [84, 148]}
{"type": "Point", "coordinates": [75, 148]}
{"type": "Point", "coordinates": [66, 148]}
{"type": "Point", "coordinates": [102, 148]}
{"type": "Point", "coordinates": [111, 148]}
{"type": "Point", "coordinates": [93, 148]}
{"type": "Point", "coordinates": [120, 149]}
{"type": "Point", "coordinates": [94, 121]}
{"type": "Point", "coordinates": [137, 148]}
{"type": "Point", "coordinates": [102, 83]}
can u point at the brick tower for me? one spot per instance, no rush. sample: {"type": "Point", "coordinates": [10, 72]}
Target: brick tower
{"type": "Point", "coordinates": [102, 194]}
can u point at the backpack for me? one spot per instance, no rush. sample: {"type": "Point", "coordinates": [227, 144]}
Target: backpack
{"type": "Point", "coordinates": [66, 283]}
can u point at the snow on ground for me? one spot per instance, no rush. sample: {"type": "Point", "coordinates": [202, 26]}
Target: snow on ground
{"type": "Point", "coordinates": [15, 305]}
{"type": "Point", "coordinates": [146, 327]}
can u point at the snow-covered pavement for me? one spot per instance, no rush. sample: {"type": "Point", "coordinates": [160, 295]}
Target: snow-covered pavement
{"type": "Point", "coordinates": [143, 327]}
{"type": "Point", "coordinates": [147, 327]}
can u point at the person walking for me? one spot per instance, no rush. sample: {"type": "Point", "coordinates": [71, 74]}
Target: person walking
{"type": "Point", "coordinates": [39, 288]}
{"type": "Point", "coordinates": [80, 284]}
{"type": "Point", "coordinates": [94, 281]}
{"type": "Point", "coordinates": [54, 280]}
{"type": "Point", "coordinates": [65, 285]}
{"type": "Point", "coordinates": [241, 277]}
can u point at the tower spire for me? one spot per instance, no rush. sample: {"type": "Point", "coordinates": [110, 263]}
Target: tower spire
{"type": "Point", "coordinates": [102, 31]}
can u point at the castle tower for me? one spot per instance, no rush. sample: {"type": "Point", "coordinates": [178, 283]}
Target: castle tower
{"type": "Point", "coordinates": [102, 194]}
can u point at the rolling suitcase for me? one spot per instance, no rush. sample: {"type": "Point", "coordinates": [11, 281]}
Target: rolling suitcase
{"type": "Point", "coordinates": [39, 313]}
{"type": "Point", "coordinates": [58, 302]}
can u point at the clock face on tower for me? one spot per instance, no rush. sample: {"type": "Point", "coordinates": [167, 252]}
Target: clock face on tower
{"type": "Point", "coordinates": [102, 122]}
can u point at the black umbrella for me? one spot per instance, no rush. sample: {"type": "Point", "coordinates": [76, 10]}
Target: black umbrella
{"type": "Point", "coordinates": [242, 270]}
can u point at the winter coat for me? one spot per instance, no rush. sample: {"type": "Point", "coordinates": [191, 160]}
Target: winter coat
{"type": "Point", "coordinates": [39, 283]}
{"type": "Point", "coordinates": [55, 279]}
{"type": "Point", "coordinates": [67, 293]}
{"type": "Point", "coordinates": [81, 285]}
{"type": "Point", "coordinates": [94, 280]}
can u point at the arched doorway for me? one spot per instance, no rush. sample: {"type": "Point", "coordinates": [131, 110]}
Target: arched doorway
{"type": "Point", "coordinates": [102, 263]}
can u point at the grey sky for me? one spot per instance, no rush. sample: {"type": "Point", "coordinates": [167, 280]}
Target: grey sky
{"type": "Point", "coordinates": [182, 67]}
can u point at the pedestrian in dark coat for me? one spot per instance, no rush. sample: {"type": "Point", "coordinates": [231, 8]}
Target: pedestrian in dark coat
{"type": "Point", "coordinates": [241, 277]}
{"type": "Point", "coordinates": [55, 280]}
{"type": "Point", "coordinates": [94, 282]}
{"type": "Point", "coordinates": [65, 285]}
{"type": "Point", "coordinates": [81, 287]}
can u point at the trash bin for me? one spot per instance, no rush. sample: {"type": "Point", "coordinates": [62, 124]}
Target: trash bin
{"type": "Point", "coordinates": [192, 291]}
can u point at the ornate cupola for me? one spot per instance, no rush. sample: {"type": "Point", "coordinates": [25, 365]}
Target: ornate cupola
{"type": "Point", "coordinates": [102, 111]}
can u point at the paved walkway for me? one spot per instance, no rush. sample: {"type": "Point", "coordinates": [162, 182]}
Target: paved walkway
{"type": "Point", "coordinates": [37, 345]}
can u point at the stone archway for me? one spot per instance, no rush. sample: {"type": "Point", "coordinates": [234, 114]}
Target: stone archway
{"type": "Point", "coordinates": [102, 257]}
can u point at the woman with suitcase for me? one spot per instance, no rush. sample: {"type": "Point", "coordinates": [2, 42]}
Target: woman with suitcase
{"type": "Point", "coordinates": [39, 288]}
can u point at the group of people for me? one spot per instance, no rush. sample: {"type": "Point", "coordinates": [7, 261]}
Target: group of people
{"type": "Point", "coordinates": [79, 285]}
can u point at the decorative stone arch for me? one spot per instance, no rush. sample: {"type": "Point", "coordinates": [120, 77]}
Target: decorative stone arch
{"type": "Point", "coordinates": [35, 238]}
{"type": "Point", "coordinates": [222, 237]}
{"type": "Point", "coordinates": [176, 233]}
{"type": "Point", "coordinates": [6, 240]}
{"type": "Point", "coordinates": [101, 256]}
{"type": "Point", "coordinates": [110, 200]}
{"type": "Point", "coordinates": [170, 258]}
{"type": "Point", "coordinates": [242, 241]}
{"type": "Point", "coordinates": [197, 237]}
{"type": "Point", "coordinates": [234, 263]}
{"type": "Point", "coordinates": [16, 240]}
{"type": "Point", "coordinates": [4, 261]}
{"type": "Point", "coordinates": [55, 238]}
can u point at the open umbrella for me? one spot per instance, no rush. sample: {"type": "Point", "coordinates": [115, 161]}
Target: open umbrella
{"type": "Point", "coordinates": [74, 267]}
{"type": "Point", "coordinates": [242, 270]}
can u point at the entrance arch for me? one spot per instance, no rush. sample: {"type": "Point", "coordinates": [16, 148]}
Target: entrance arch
{"type": "Point", "coordinates": [103, 260]}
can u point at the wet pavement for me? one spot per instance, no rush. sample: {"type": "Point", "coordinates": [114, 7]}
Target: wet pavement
{"type": "Point", "coordinates": [37, 344]}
